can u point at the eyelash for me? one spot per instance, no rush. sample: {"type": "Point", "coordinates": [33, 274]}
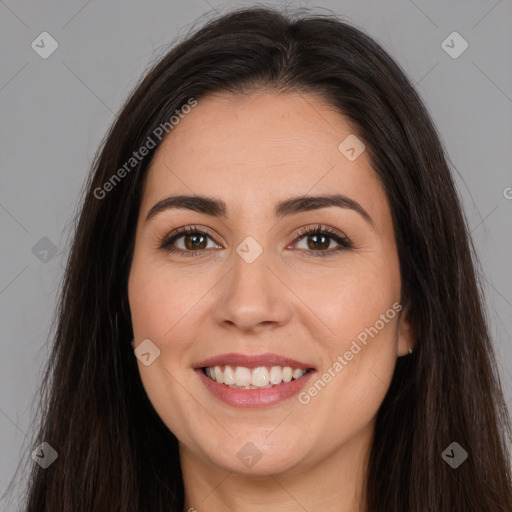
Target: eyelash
{"type": "Point", "coordinates": [344, 242]}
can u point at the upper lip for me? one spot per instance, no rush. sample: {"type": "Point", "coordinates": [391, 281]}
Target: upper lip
{"type": "Point", "coordinates": [255, 361]}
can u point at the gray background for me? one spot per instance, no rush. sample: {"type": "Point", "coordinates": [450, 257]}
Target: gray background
{"type": "Point", "coordinates": [55, 111]}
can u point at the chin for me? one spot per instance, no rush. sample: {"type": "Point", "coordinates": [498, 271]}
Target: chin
{"type": "Point", "coordinates": [258, 458]}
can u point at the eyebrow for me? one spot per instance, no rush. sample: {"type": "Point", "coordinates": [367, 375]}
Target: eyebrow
{"type": "Point", "coordinates": [218, 208]}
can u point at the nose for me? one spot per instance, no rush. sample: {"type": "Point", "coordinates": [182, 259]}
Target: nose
{"type": "Point", "coordinates": [253, 296]}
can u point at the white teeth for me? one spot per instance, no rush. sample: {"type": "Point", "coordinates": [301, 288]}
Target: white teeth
{"type": "Point", "coordinates": [219, 376]}
{"type": "Point", "coordinates": [255, 378]}
{"type": "Point", "coordinates": [242, 376]}
{"type": "Point", "coordinates": [296, 374]}
{"type": "Point", "coordinates": [276, 375]}
{"type": "Point", "coordinates": [260, 377]}
{"type": "Point", "coordinates": [287, 374]}
{"type": "Point", "coordinates": [229, 376]}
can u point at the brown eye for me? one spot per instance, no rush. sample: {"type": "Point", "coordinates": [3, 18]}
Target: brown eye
{"type": "Point", "coordinates": [318, 241]}
{"type": "Point", "coordinates": [188, 241]}
{"type": "Point", "coordinates": [197, 241]}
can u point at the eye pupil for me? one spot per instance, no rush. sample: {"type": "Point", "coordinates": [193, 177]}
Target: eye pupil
{"type": "Point", "coordinates": [321, 245]}
{"type": "Point", "coordinates": [196, 242]}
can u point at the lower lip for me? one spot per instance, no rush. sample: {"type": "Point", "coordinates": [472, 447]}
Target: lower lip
{"type": "Point", "coordinates": [255, 397]}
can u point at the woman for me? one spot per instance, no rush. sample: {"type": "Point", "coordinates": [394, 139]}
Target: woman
{"type": "Point", "coordinates": [270, 301]}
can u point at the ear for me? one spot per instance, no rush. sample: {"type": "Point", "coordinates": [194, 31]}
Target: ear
{"type": "Point", "coordinates": [406, 334]}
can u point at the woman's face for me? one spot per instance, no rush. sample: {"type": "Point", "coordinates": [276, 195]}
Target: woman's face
{"type": "Point", "coordinates": [244, 283]}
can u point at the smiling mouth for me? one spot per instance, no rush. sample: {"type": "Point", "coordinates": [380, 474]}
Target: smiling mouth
{"type": "Point", "coordinates": [262, 377]}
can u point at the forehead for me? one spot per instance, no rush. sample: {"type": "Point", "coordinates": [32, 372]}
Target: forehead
{"type": "Point", "coordinates": [260, 148]}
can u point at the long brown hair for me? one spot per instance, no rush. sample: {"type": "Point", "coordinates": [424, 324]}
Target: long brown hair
{"type": "Point", "coordinates": [115, 453]}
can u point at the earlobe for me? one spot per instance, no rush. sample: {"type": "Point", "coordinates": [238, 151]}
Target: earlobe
{"type": "Point", "coordinates": [406, 334]}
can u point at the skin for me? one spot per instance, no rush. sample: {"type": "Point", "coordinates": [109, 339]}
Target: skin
{"type": "Point", "coordinates": [253, 151]}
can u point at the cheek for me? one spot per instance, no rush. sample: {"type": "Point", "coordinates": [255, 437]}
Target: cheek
{"type": "Point", "coordinates": [160, 308]}
{"type": "Point", "coordinates": [360, 304]}
{"type": "Point", "coordinates": [358, 368]}
{"type": "Point", "coordinates": [351, 299]}
{"type": "Point", "coordinates": [158, 300]}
